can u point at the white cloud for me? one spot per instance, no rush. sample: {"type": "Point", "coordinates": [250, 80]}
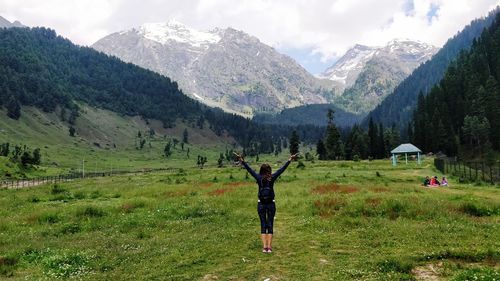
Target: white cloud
{"type": "Point", "coordinates": [324, 26]}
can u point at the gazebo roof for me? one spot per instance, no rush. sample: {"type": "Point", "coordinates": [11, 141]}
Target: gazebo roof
{"type": "Point", "coordinates": [406, 148]}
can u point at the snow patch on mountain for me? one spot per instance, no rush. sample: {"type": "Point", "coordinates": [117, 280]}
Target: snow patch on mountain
{"type": "Point", "coordinates": [175, 31]}
{"type": "Point", "coordinates": [346, 69]}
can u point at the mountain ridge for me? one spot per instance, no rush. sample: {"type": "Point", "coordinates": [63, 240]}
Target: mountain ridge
{"type": "Point", "coordinates": [398, 106]}
{"type": "Point", "coordinates": [229, 69]}
{"type": "Point", "coordinates": [4, 23]}
{"type": "Point", "coordinates": [368, 74]}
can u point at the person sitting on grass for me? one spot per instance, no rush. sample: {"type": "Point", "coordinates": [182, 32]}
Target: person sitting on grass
{"type": "Point", "coordinates": [427, 181]}
{"type": "Point", "coordinates": [265, 206]}
{"type": "Point", "coordinates": [444, 182]}
{"type": "Point", "coordinates": [434, 181]}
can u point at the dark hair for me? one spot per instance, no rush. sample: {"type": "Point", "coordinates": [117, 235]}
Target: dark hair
{"type": "Point", "coordinates": [265, 172]}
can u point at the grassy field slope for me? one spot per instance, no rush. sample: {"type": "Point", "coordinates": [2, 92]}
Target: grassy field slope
{"type": "Point", "coordinates": [334, 221]}
{"type": "Point", "coordinates": [104, 139]}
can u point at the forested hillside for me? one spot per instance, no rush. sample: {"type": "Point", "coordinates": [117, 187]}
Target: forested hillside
{"type": "Point", "coordinates": [398, 106]}
{"type": "Point", "coordinates": [463, 111]}
{"type": "Point", "coordinates": [41, 69]}
{"type": "Point", "coordinates": [313, 114]}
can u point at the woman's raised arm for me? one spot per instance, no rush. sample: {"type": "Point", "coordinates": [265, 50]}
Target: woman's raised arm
{"type": "Point", "coordinates": [250, 170]}
{"type": "Point", "coordinates": [283, 168]}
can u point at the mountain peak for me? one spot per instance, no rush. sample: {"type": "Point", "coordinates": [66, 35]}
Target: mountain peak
{"type": "Point", "coordinates": [349, 66]}
{"type": "Point", "coordinates": [5, 23]}
{"type": "Point", "coordinates": [346, 69]}
{"type": "Point", "coordinates": [163, 32]}
{"type": "Point", "coordinates": [222, 67]}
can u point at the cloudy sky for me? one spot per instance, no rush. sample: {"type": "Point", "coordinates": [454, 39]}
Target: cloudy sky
{"type": "Point", "coordinates": [314, 32]}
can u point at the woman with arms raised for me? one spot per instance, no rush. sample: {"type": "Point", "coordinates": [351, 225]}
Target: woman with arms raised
{"type": "Point", "coordinates": [265, 206]}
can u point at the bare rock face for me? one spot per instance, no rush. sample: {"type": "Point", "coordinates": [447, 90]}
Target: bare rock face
{"type": "Point", "coordinates": [226, 68]}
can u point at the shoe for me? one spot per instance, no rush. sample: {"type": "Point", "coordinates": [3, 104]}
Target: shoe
{"type": "Point", "coordinates": [264, 250]}
{"type": "Point", "coordinates": [269, 250]}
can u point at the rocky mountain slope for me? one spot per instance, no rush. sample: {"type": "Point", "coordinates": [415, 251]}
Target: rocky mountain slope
{"type": "Point", "coordinates": [398, 107]}
{"type": "Point", "coordinates": [222, 67]}
{"type": "Point", "coordinates": [6, 24]}
{"type": "Point", "coordinates": [369, 74]}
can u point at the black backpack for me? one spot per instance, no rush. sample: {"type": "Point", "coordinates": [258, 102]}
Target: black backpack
{"type": "Point", "coordinates": [265, 193]}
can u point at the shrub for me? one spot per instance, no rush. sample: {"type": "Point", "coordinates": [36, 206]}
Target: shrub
{"type": "Point", "coordinates": [90, 212]}
{"type": "Point", "coordinates": [71, 228]}
{"type": "Point", "coordinates": [394, 209]}
{"type": "Point", "coordinates": [394, 265]}
{"type": "Point", "coordinates": [48, 218]}
{"type": "Point", "coordinates": [7, 266]}
{"type": "Point", "coordinates": [475, 210]}
{"type": "Point", "coordinates": [129, 207]}
{"type": "Point", "coordinates": [95, 194]}
{"type": "Point", "coordinates": [79, 195]}
{"type": "Point", "coordinates": [56, 189]}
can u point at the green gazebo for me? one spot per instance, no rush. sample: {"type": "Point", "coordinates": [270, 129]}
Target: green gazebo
{"type": "Point", "coordinates": [405, 148]}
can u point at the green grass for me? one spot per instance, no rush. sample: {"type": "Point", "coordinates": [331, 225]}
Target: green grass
{"type": "Point", "coordinates": [334, 221]}
{"type": "Point", "coordinates": [105, 142]}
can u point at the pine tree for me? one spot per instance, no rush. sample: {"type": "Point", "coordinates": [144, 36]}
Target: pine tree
{"type": "Point", "coordinates": [332, 138]}
{"type": "Point", "coordinates": [72, 131]}
{"type": "Point", "coordinates": [167, 151]}
{"type": "Point", "coordinates": [321, 150]}
{"type": "Point", "coordinates": [220, 161]}
{"type": "Point", "coordinates": [294, 142]}
{"type": "Point", "coordinates": [37, 157]}
{"type": "Point", "coordinates": [26, 159]}
{"type": "Point", "coordinates": [13, 108]}
{"type": "Point", "coordinates": [381, 142]}
{"type": "Point", "coordinates": [372, 139]}
{"type": "Point", "coordinates": [185, 136]}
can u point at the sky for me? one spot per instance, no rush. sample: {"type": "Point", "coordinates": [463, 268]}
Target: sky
{"type": "Point", "coordinates": [314, 32]}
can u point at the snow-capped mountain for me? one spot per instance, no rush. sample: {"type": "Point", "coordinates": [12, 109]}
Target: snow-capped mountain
{"type": "Point", "coordinates": [222, 67]}
{"type": "Point", "coordinates": [369, 74]}
{"type": "Point", "coordinates": [347, 68]}
{"type": "Point", "coordinates": [6, 24]}
{"type": "Point", "coordinates": [176, 31]}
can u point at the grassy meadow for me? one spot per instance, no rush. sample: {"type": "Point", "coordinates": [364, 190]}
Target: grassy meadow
{"type": "Point", "coordinates": [105, 141]}
{"type": "Point", "coordinates": [335, 221]}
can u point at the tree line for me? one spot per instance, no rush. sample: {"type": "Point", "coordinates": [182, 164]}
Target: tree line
{"type": "Point", "coordinates": [356, 143]}
{"type": "Point", "coordinates": [398, 106]}
{"type": "Point", "coordinates": [21, 154]}
{"type": "Point", "coordinates": [39, 68]}
{"type": "Point", "coordinates": [462, 112]}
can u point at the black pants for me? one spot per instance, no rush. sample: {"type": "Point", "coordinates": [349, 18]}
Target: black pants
{"type": "Point", "coordinates": [266, 214]}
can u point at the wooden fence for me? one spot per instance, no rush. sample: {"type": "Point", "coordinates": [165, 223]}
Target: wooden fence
{"type": "Point", "coordinates": [22, 183]}
{"type": "Point", "coordinates": [469, 170]}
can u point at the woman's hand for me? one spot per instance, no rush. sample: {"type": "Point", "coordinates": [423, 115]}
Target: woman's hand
{"type": "Point", "coordinates": [239, 157]}
{"type": "Point", "coordinates": [294, 156]}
